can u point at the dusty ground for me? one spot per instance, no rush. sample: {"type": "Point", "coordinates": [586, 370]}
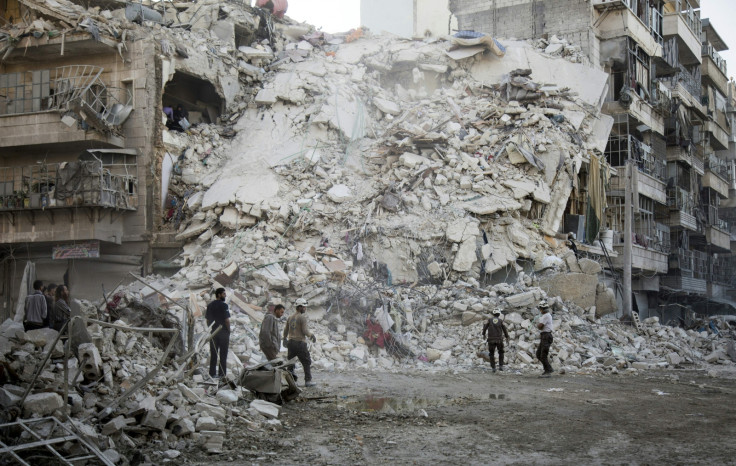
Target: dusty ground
{"type": "Point", "coordinates": [656, 417]}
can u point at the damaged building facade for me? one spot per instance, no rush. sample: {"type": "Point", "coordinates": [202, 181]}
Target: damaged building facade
{"type": "Point", "coordinates": [671, 104]}
{"type": "Point", "coordinates": [81, 98]}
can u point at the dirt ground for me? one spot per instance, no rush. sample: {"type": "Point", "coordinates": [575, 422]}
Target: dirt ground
{"type": "Point", "coordinates": [655, 417]}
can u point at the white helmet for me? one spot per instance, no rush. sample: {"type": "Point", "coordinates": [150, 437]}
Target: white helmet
{"type": "Point", "coordinates": [543, 304]}
{"type": "Point", "coordinates": [301, 302]}
{"type": "Point", "coordinates": [497, 311]}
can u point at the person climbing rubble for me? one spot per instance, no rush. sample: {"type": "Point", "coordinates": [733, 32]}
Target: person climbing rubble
{"type": "Point", "coordinates": [268, 338]}
{"type": "Point", "coordinates": [545, 324]}
{"type": "Point", "coordinates": [218, 314]}
{"type": "Point", "coordinates": [296, 333]}
{"type": "Point", "coordinates": [35, 307]}
{"type": "Point", "coordinates": [496, 332]}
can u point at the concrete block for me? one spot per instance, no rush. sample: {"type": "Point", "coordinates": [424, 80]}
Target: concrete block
{"type": "Point", "coordinates": [91, 361]}
{"type": "Point", "coordinates": [524, 357]}
{"type": "Point", "coordinates": [155, 419]}
{"type": "Point", "coordinates": [212, 440]}
{"type": "Point", "coordinates": [209, 410]}
{"type": "Point", "coordinates": [206, 423]}
{"type": "Point", "coordinates": [183, 427]}
{"type": "Point", "coordinates": [42, 404]}
{"type": "Point", "coordinates": [265, 408]}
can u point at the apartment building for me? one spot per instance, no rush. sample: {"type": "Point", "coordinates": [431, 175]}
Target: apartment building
{"type": "Point", "coordinates": [82, 138]}
{"type": "Point", "coordinates": [672, 107]}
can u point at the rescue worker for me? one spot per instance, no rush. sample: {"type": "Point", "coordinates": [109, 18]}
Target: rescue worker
{"type": "Point", "coordinates": [545, 325]}
{"type": "Point", "coordinates": [268, 338]}
{"type": "Point", "coordinates": [496, 332]}
{"type": "Point", "coordinates": [219, 313]}
{"type": "Point", "coordinates": [296, 333]}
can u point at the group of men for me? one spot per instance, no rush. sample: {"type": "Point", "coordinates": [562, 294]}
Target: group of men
{"type": "Point", "coordinates": [496, 331]}
{"type": "Point", "coordinates": [47, 307]}
{"type": "Point", "coordinates": [294, 337]}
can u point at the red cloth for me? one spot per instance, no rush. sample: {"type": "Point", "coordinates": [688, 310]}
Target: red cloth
{"type": "Point", "coordinates": [279, 6]}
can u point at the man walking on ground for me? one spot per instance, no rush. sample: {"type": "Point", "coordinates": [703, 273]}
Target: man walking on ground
{"type": "Point", "coordinates": [268, 338]}
{"type": "Point", "coordinates": [545, 341]}
{"type": "Point", "coordinates": [496, 332]}
{"type": "Point", "coordinates": [36, 311]}
{"type": "Point", "coordinates": [218, 312]}
{"type": "Point", "coordinates": [296, 333]}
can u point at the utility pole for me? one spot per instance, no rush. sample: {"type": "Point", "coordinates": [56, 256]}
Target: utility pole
{"type": "Point", "coordinates": [627, 242]}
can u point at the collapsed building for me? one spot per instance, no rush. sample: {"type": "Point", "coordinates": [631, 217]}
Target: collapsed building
{"type": "Point", "coordinates": [403, 187]}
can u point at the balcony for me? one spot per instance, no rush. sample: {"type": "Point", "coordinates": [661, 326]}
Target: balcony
{"type": "Point", "coordinates": [718, 238]}
{"type": "Point", "coordinates": [638, 108]}
{"type": "Point", "coordinates": [67, 105]}
{"type": "Point", "coordinates": [719, 137]}
{"type": "Point", "coordinates": [642, 259]}
{"type": "Point", "coordinates": [685, 25]}
{"type": "Point", "coordinates": [681, 207]}
{"type": "Point", "coordinates": [69, 200]}
{"type": "Point", "coordinates": [617, 19]}
{"type": "Point", "coordinates": [688, 270]}
{"type": "Point", "coordinates": [680, 154]}
{"type": "Point", "coordinates": [685, 85]}
{"type": "Point", "coordinates": [650, 174]}
{"type": "Point", "coordinates": [716, 176]}
{"type": "Point", "coordinates": [714, 68]}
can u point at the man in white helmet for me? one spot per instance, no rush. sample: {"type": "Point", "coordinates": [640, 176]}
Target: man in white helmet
{"type": "Point", "coordinates": [296, 333]}
{"type": "Point", "coordinates": [545, 338]}
{"type": "Point", "coordinates": [496, 331]}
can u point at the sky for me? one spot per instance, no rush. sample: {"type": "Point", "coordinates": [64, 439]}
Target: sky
{"type": "Point", "coordinates": [343, 15]}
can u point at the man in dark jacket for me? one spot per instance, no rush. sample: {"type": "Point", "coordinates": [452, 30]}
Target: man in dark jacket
{"type": "Point", "coordinates": [35, 307]}
{"type": "Point", "coordinates": [49, 294]}
{"type": "Point", "coordinates": [496, 331]}
{"type": "Point", "coordinates": [219, 314]}
{"type": "Point", "coordinates": [269, 337]}
{"type": "Point", "coordinates": [61, 312]}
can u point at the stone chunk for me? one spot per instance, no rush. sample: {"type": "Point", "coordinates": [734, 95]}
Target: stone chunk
{"type": "Point", "coordinates": [465, 256]}
{"type": "Point", "coordinates": [116, 425]}
{"type": "Point", "coordinates": [410, 160]}
{"type": "Point", "coordinates": [213, 440]}
{"type": "Point", "coordinates": [521, 300]}
{"type": "Point", "coordinates": [155, 420]}
{"type": "Point", "coordinates": [183, 427]}
{"type": "Point", "coordinates": [524, 357]}
{"type": "Point", "coordinates": [674, 359]}
{"type": "Point", "coordinates": [339, 193]}
{"type": "Point", "coordinates": [266, 97]}
{"type": "Point", "coordinates": [42, 404]}
{"type": "Point", "coordinates": [273, 275]}
{"type": "Point", "coordinates": [209, 410]}
{"type": "Point", "coordinates": [589, 266]}
{"type": "Point", "coordinates": [8, 399]}
{"type": "Point", "coordinates": [386, 106]}
{"type": "Point", "coordinates": [41, 337]}
{"type": "Point", "coordinates": [206, 423]}
{"type": "Point", "coordinates": [265, 408]}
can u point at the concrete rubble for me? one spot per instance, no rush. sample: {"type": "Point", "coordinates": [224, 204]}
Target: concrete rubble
{"type": "Point", "coordinates": [376, 177]}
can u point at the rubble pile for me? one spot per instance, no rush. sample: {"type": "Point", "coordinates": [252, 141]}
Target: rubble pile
{"type": "Point", "coordinates": [404, 188]}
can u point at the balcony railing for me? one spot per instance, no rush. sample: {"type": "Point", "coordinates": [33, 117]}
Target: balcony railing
{"type": "Point", "coordinates": [688, 14]}
{"type": "Point", "coordinates": [723, 271]}
{"type": "Point", "coordinates": [656, 237]}
{"type": "Point", "coordinates": [689, 80]}
{"type": "Point", "coordinates": [622, 148]}
{"type": "Point", "coordinates": [680, 199]}
{"type": "Point", "coordinates": [710, 51]}
{"type": "Point", "coordinates": [75, 88]}
{"type": "Point", "coordinates": [82, 183]}
{"type": "Point", "coordinates": [718, 166]}
{"type": "Point", "coordinates": [691, 261]}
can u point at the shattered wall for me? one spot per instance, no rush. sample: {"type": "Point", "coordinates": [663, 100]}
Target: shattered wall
{"type": "Point", "coordinates": [531, 19]}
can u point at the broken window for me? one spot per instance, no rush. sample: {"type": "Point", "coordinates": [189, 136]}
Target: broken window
{"type": "Point", "coordinates": [75, 88]}
{"type": "Point", "coordinates": [198, 96]}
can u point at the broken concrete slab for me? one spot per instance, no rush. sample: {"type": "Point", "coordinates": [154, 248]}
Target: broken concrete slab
{"type": "Point", "coordinates": [265, 408]}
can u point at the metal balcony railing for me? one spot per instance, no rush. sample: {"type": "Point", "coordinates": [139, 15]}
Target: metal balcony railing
{"type": "Point", "coordinates": [656, 237]}
{"type": "Point", "coordinates": [710, 51]}
{"type": "Point", "coordinates": [690, 80]}
{"type": "Point", "coordinates": [74, 88]}
{"type": "Point", "coordinates": [688, 14]}
{"type": "Point", "coordinates": [718, 166]}
{"type": "Point", "coordinates": [691, 262]}
{"type": "Point", "coordinates": [88, 183]}
{"type": "Point", "coordinates": [622, 148]}
{"type": "Point", "coordinates": [680, 199]}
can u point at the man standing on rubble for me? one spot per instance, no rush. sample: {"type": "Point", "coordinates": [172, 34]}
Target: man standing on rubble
{"type": "Point", "coordinates": [496, 332]}
{"type": "Point", "coordinates": [268, 338]}
{"type": "Point", "coordinates": [545, 338]}
{"type": "Point", "coordinates": [49, 294]}
{"type": "Point", "coordinates": [219, 314]}
{"type": "Point", "coordinates": [36, 311]}
{"type": "Point", "coordinates": [296, 333]}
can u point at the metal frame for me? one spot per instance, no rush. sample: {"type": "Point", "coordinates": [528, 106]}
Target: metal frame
{"type": "Point", "coordinates": [63, 434]}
